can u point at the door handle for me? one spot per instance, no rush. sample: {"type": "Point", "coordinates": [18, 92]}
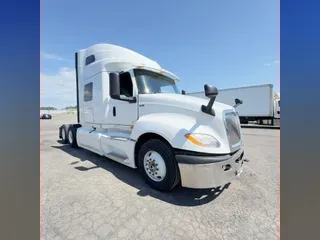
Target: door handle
{"type": "Point", "coordinates": [114, 111]}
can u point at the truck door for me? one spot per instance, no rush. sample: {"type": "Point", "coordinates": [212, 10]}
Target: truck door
{"type": "Point", "coordinates": [122, 112]}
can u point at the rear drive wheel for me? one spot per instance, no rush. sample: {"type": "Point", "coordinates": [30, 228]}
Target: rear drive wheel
{"type": "Point", "coordinates": [158, 166]}
{"type": "Point", "coordinates": [64, 134]}
{"type": "Point", "coordinates": [72, 136]}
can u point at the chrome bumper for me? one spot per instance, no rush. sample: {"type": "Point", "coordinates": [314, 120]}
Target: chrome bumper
{"type": "Point", "coordinates": [209, 171]}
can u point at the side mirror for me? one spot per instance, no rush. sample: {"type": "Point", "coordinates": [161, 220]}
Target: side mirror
{"type": "Point", "coordinates": [210, 92]}
{"type": "Point", "coordinates": [114, 85]}
{"type": "Point", "coordinates": [237, 102]}
{"type": "Point", "coordinates": [183, 92]}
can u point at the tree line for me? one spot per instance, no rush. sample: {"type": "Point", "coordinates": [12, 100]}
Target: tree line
{"type": "Point", "coordinates": [53, 108]}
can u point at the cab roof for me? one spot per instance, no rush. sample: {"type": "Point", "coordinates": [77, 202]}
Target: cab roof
{"type": "Point", "coordinates": [116, 58]}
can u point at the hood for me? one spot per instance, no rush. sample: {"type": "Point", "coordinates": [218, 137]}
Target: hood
{"type": "Point", "coordinates": [183, 102]}
{"type": "Point", "coordinates": [174, 114]}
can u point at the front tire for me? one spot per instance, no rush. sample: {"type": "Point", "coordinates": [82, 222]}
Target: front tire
{"type": "Point", "coordinates": [158, 166]}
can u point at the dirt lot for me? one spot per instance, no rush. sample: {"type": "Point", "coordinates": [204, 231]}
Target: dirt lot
{"type": "Point", "coordinates": [85, 196]}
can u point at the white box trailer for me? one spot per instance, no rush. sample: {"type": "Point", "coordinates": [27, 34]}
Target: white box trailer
{"type": "Point", "coordinates": [260, 102]}
{"type": "Point", "coordinates": [130, 111]}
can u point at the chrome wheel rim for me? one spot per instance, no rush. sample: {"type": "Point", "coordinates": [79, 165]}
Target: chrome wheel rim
{"type": "Point", "coordinates": [154, 166]}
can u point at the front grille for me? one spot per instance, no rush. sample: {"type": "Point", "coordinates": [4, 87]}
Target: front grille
{"type": "Point", "coordinates": [232, 125]}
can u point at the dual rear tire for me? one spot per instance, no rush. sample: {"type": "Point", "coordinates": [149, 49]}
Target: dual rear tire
{"type": "Point", "coordinates": [69, 135]}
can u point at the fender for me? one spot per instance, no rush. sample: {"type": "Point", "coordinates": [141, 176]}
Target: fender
{"type": "Point", "coordinates": [172, 127]}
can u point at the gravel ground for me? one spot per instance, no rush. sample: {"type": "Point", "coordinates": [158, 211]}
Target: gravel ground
{"type": "Point", "coordinates": [85, 196]}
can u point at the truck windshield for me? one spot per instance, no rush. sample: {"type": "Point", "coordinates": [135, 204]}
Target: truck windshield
{"type": "Point", "coordinates": [149, 82]}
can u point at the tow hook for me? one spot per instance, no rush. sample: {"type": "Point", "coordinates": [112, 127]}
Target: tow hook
{"type": "Point", "coordinates": [237, 173]}
{"type": "Point", "coordinates": [242, 160]}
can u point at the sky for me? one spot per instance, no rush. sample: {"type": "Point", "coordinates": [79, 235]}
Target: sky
{"type": "Point", "coordinates": [225, 43]}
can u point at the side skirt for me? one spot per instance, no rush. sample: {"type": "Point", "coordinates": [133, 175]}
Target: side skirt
{"type": "Point", "coordinates": [112, 144]}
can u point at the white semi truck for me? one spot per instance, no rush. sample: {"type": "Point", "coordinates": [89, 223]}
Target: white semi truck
{"type": "Point", "coordinates": [130, 111]}
{"type": "Point", "coordinates": [260, 103]}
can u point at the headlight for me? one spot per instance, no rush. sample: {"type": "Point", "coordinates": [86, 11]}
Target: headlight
{"type": "Point", "coordinates": [203, 140]}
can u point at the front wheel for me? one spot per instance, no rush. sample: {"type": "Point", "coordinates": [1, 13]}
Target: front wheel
{"type": "Point", "coordinates": [158, 166]}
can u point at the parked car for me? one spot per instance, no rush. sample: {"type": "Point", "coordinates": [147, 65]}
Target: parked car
{"type": "Point", "coordinates": [45, 116]}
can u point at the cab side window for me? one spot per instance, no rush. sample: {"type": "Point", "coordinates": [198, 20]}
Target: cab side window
{"type": "Point", "coordinates": [126, 86]}
{"type": "Point", "coordinates": [90, 59]}
{"type": "Point", "coordinates": [88, 92]}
